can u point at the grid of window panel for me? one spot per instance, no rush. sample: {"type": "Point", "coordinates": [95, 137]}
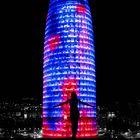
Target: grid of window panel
{"type": "Point", "coordinates": [69, 65]}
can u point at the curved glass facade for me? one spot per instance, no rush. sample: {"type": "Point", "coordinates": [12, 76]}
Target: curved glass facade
{"type": "Point", "coordinates": [69, 65]}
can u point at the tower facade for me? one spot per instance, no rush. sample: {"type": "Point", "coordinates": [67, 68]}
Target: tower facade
{"type": "Point", "coordinates": [69, 65]}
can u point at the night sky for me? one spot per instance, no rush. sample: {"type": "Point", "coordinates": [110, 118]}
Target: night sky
{"type": "Point", "coordinates": [116, 30]}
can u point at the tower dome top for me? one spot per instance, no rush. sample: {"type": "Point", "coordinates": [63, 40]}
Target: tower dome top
{"type": "Point", "coordinates": [80, 1]}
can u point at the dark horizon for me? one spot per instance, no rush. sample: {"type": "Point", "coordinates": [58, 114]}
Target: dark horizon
{"type": "Point", "coordinates": [116, 44]}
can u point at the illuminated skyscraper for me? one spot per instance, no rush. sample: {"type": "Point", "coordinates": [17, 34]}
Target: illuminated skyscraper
{"type": "Point", "coordinates": [69, 65]}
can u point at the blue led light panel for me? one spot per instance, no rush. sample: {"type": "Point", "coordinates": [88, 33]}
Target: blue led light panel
{"type": "Point", "coordinates": [69, 65]}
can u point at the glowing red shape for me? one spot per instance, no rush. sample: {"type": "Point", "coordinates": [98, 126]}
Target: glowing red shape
{"type": "Point", "coordinates": [69, 85]}
{"type": "Point", "coordinates": [54, 41]}
{"type": "Point", "coordinates": [80, 9]}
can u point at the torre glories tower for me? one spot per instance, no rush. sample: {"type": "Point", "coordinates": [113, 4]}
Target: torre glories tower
{"type": "Point", "coordinates": [69, 65]}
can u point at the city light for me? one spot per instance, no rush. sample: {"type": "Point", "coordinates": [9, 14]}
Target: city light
{"type": "Point", "coordinates": [69, 65]}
